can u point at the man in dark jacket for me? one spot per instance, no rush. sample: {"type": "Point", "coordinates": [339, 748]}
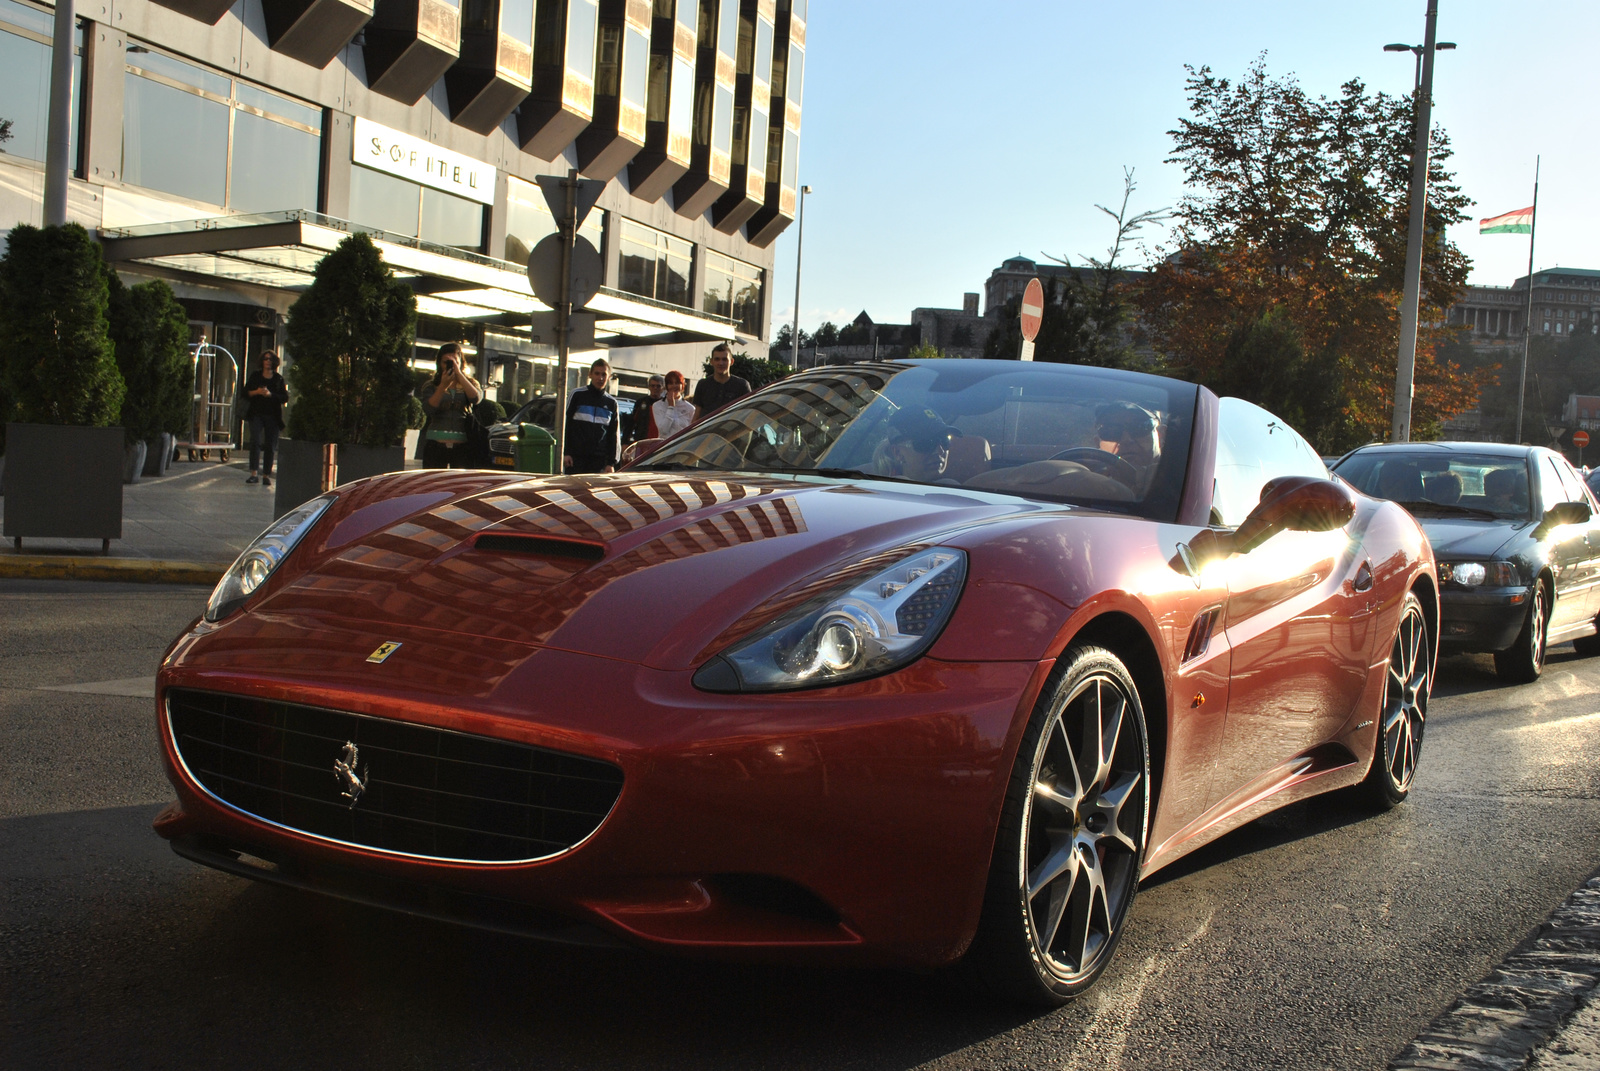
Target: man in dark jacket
{"type": "Point", "coordinates": [265, 396]}
{"type": "Point", "coordinates": [721, 387]}
{"type": "Point", "coordinates": [591, 437]}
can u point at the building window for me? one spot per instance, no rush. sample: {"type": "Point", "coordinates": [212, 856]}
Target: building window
{"type": "Point", "coordinates": [416, 211]}
{"type": "Point", "coordinates": [208, 137]}
{"type": "Point", "coordinates": [733, 291]}
{"type": "Point", "coordinates": [654, 264]}
{"type": "Point", "coordinates": [25, 36]}
{"type": "Point", "coordinates": [528, 220]}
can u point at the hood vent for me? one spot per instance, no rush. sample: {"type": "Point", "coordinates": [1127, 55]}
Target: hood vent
{"type": "Point", "coordinates": [541, 546]}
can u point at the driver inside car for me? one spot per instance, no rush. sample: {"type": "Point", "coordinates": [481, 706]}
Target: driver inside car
{"type": "Point", "coordinates": [1130, 432]}
{"type": "Point", "coordinates": [918, 447]}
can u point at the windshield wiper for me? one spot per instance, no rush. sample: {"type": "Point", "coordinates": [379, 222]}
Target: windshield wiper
{"type": "Point", "coordinates": [670, 466]}
{"type": "Point", "coordinates": [1450, 508]}
{"type": "Point", "coordinates": [831, 473]}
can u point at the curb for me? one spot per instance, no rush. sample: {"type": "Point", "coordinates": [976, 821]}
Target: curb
{"type": "Point", "coordinates": [1504, 1019]}
{"type": "Point", "coordinates": [134, 570]}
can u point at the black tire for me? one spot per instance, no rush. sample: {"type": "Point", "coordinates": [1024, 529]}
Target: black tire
{"type": "Point", "coordinates": [1073, 830]}
{"type": "Point", "coordinates": [1587, 646]}
{"type": "Point", "coordinates": [1523, 661]}
{"type": "Point", "coordinates": [1404, 714]}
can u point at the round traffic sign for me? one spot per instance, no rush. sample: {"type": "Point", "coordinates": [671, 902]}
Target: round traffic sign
{"type": "Point", "coordinates": [544, 271]}
{"type": "Point", "coordinates": [1032, 309]}
{"type": "Point", "coordinates": [1580, 439]}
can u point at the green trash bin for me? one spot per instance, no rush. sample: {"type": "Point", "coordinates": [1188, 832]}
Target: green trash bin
{"type": "Point", "coordinates": [536, 450]}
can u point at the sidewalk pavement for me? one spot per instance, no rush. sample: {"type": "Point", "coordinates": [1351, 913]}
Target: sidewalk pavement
{"type": "Point", "coordinates": [1540, 1009]}
{"type": "Point", "coordinates": [185, 527]}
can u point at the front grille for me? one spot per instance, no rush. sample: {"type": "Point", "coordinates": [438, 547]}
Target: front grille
{"type": "Point", "coordinates": [426, 792]}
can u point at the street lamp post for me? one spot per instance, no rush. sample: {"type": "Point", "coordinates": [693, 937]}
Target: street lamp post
{"type": "Point", "coordinates": [1422, 117]}
{"type": "Point", "coordinates": [799, 243]}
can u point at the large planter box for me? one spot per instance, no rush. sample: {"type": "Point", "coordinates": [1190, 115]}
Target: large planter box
{"type": "Point", "coordinates": [63, 483]}
{"type": "Point", "coordinates": [299, 469]}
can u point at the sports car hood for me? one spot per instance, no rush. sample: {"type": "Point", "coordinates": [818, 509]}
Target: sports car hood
{"type": "Point", "coordinates": [1465, 539]}
{"type": "Point", "coordinates": [645, 568]}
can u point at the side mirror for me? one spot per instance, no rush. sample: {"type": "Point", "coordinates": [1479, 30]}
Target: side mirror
{"type": "Point", "coordinates": [639, 451]}
{"type": "Point", "coordinates": [1288, 504]}
{"type": "Point", "coordinates": [1562, 513]}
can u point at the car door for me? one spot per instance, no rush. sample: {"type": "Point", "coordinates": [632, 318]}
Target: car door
{"type": "Point", "coordinates": [1588, 532]}
{"type": "Point", "coordinates": [1298, 616]}
{"type": "Point", "coordinates": [1568, 548]}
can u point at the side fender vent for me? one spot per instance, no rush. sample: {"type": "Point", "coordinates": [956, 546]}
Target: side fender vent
{"type": "Point", "coordinates": [1205, 623]}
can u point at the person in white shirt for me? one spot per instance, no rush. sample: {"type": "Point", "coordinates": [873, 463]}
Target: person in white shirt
{"type": "Point", "coordinates": [673, 413]}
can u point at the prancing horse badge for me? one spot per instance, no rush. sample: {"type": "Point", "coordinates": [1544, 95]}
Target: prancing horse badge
{"type": "Point", "coordinates": [384, 651]}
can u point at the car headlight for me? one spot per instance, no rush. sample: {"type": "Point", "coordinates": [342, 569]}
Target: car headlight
{"type": "Point", "coordinates": [1478, 574]}
{"type": "Point", "coordinates": [871, 627]}
{"type": "Point", "coordinates": [251, 569]}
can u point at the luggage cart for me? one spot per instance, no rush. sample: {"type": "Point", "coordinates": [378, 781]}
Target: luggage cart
{"type": "Point", "coordinates": [216, 388]}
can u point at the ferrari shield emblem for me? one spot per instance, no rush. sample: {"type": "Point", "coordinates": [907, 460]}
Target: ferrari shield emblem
{"type": "Point", "coordinates": [384, 651]}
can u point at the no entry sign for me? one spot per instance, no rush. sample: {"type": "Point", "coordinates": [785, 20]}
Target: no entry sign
{"type": "Point", "coordinates": [1032, 310]}
{"type": "Point", "coordinates": [1031, 317]}
{"type": "Point", "coordinates": [1580, 439]}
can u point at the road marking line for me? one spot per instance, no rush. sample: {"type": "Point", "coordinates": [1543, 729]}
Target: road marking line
{"type": "Point", "coordinates": [133, 687]}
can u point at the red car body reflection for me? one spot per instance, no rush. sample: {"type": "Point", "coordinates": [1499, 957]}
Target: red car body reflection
{"type": "Point", "coordinates": [852, 823]}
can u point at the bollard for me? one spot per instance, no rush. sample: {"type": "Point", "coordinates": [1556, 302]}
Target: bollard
{"type": "Point", "coordinates": [330, 466]}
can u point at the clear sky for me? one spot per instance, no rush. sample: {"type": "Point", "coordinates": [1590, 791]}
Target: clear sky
{"type": "Point", "coordinates": [942, 136]}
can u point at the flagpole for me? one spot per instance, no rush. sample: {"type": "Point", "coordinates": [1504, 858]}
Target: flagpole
{"type": "Point", "coordinates": [1527, 334]}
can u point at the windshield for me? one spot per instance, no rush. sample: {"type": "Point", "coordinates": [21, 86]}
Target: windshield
{"type": "Point", "coordinates": [1444, 484]}
{"type": "Point", "coordinates": [1114, 440]}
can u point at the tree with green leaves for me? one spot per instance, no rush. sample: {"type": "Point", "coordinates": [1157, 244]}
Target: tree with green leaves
{"type": "Point", "coordinates": [350, 335]}
{"type": "Point", "coordinates": [150, 334]}
{"type": "Point", "coordinates": [55, 347]}
{"type": "Point", "coordinates": [1296, 214]}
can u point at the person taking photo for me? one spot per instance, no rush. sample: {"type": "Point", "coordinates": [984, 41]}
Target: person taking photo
{"type": "Point", "coordinates": [447, 399]}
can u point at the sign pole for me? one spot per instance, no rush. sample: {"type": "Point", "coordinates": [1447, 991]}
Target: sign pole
{"type": "Point", "coordinates": [1422, 118]}
{"type": "Point", "coordinates": [1527, 334]}
{"type": "Point", "coordinates": [569, 231]}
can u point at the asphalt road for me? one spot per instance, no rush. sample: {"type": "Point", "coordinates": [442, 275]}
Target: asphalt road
{"type": "Point", "coordinates": [1318, 937]}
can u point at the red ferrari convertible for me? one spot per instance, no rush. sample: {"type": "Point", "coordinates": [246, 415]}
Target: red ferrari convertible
{"type": "Point", "coordinates": [915, 663]}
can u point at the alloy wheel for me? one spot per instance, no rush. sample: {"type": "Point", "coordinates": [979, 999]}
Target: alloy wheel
{"type": "Point", "coordinates": [1405, 700]}
{"type": "Point", "coordinates": [1537, 640]}
{"type": "Point", "coordinates": [1084, 827]}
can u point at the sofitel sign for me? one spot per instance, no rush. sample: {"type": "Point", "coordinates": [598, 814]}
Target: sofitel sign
{"type": "Point", "coordinates": [416, 160]}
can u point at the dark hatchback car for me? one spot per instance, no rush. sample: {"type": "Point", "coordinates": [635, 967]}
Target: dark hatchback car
{"type": "Point", "coordinates": [1516, 537]}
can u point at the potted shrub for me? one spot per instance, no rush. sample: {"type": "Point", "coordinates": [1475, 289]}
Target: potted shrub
{"type": "Point", "coordinates": [349, 337]}
{"type": "Point", "coordinates": [65, 389]}
{"type": "Point", "coordinates": [150, 334]}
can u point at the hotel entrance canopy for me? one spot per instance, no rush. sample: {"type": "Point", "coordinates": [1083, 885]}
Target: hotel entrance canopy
{"type": "Point", "coordinates": [281, 250]}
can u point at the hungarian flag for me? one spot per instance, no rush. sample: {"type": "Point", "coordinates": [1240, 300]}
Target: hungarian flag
{"type": "Point", "coordinates": [1518, 222]}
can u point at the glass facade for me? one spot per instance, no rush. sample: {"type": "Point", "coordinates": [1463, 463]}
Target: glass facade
{"type": "Point", "coordinates": [528, 221]}
{"type": "Point", "coordinates": [416, 211]}
{"type": "Point", "coordinates": [654, 264]}
{"type": "Point", "coordinates": [733, 291]}
{"type": "Point", "coordinates": [202, 135]}
{"type": "Point", "coordinates": [25, 35]}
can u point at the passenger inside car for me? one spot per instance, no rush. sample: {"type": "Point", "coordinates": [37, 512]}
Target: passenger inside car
{"type": "Point", "coordinates": [1442, 487]}
{"type": "Point", "coordinates": [1506, 490]}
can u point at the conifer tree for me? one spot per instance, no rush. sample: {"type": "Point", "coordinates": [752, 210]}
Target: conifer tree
{"type": "Point", "coordinates": [349, 336]}
{"type": "Point", "coordinates": [150, 332]}
{"type": "Point", "coordinates": [55, 347]}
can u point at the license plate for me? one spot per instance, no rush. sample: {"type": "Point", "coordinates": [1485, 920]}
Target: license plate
{"type": "Point", "coordinates": [506, 461]}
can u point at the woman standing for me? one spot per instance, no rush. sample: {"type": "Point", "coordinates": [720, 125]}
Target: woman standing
{"type": "Point", "coordinates": [672, 413]}
{"type": "Point", "coordinates": [265, 396]}
{"type": "Point", "coordinates": [446, 440]}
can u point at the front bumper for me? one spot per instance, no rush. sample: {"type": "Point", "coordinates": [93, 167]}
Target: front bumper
{"type": "Point", "coordinates": [1481, 619]}
{"type": "Point", "coordinates": [850, 824]}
